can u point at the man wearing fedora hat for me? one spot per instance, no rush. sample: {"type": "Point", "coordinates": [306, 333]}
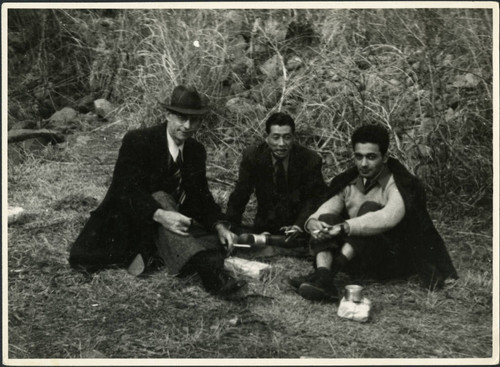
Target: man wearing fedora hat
{"type": "Point", "coordinates": [158, 210]}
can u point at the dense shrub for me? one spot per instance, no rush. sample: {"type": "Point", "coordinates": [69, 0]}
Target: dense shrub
{"type": "Point", "coordinates": [426, 74]}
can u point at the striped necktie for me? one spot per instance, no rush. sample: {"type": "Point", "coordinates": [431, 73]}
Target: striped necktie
{"type": "Point", "coordinates": [180, 194]}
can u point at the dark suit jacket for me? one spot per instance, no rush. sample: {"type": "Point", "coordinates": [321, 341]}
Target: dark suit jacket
{"type": "Point", "coordinates": [123, 225]}
{"type": "Point", "coordinates": [416, 231]}
{"type": "Point", "coordinates": [305, 185]}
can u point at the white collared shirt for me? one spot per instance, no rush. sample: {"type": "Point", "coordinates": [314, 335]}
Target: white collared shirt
{"type": "Point", "coordinates": [173, 148]}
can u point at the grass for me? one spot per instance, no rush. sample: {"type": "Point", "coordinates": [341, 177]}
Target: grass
{"type": "Point", "coordinates": [404, 68]}
{"type": "Point", "coordinates": [54, 312]}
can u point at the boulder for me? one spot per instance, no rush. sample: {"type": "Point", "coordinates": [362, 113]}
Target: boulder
{"type": "Point", "coordinates": [62, 118]}
{"type": "Point", "coordinates": [272, 67]}
{"type": "Point", "coordinates": [103, 108]}
{"type": "Point", "coordinates": [466, 81]}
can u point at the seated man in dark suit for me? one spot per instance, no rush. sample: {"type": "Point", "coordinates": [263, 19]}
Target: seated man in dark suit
{"type": "Point", "coordinates": [374, 223]}
{"type": "Point", "coordinates": [158, 209]}
{"type": "Point", "coordinates": [286, 178]}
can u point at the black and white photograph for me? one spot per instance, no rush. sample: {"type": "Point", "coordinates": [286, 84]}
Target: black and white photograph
{"type": "Point", "coordinates": [250, 183]}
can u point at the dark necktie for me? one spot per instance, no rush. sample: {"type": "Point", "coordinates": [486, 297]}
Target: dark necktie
{"type": "Point", "coordinates": [369, 184]}
{"type": "Point", "coordinates": [180, 194]}
{"type": "Point", "coordinates": [281, 187]}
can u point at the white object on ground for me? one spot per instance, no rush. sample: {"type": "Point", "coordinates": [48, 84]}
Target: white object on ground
{"type": "Point", "coordinates": [355, 311]}
{"type": "Point", "coordinates": [250, 268]}
{"type": "Point", "coordinates": [15, 213]}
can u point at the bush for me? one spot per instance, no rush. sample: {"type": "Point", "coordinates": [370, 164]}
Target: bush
{"type": "Point", "coordinates": [426, 74]}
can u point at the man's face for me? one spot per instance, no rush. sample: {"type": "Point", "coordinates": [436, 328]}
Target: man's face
{"type": "Point", "coordinates": [368, 159]}
{"type": "Point", "coordinates": [181, 127]}
{"type": "Point", "coordinates": [280, 140]}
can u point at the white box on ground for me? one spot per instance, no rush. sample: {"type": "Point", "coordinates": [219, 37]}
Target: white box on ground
{"type": "Point", "coordinates": [250, 268]}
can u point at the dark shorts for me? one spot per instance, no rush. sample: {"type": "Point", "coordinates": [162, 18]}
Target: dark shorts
{"type": "Point", "coordinates": [379, 256]}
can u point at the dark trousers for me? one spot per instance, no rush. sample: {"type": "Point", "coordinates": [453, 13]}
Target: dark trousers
{"type": "Point", "coordinates": [379, 256]}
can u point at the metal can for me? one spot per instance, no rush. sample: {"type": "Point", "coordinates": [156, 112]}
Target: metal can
{"type": "Point", "coordinates": [354, 293]}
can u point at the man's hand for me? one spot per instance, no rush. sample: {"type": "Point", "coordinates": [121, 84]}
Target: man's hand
{"type": "Point", "coordinates": [226, 237]}
{"type": "Point", "coordinates": [335, 230]}
{"type": "Point", "coordinates": [291, 232]}
{"type": "Point", "coordinates": [173, 221]}
{"type": "Point", "coordinates": [319, 230]}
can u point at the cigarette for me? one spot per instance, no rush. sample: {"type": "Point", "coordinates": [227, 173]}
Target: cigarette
{"type": "Point", "coordinates": [241, 245]}
{"type": "Point", "coordinates": [317, 231]}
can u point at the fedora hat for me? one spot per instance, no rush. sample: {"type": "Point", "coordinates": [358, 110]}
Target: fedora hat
{"type": "Point", "coordinates": [185, 100]}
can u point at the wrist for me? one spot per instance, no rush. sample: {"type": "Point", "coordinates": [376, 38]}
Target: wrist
{"type": "Point", "coordinates": [222, 225]}
{"type": "Point", "coordinates": [344, 229]}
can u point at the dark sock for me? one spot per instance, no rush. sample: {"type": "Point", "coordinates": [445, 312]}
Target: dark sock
{"type": "Point", "coordinates": [339, 263]}
{"type": "Point", "coordinates": [324, 274]}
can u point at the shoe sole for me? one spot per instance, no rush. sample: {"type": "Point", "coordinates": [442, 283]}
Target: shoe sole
{"type": "Point", "coordinates": [312, 293]}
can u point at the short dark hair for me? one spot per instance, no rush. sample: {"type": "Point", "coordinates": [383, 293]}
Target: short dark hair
{"type": "Point", "coordinates": [375, 134]}
{"type": "Point", "coordinates": [281, 119]}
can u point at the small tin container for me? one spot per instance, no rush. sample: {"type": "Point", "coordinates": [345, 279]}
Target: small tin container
{"type": "Point", "coordinates": [354, 293]}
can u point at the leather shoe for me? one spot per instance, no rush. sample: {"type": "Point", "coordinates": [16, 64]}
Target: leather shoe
{"type": "Point", "coordinates": [227, 285]}
{"type": "Point", "coordinates": [297, 281]}
{"type": "Point", "coordinates": [319, 291]}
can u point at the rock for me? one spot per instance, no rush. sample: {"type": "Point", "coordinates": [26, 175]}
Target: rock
{"type": "Point", "coordinates": [15, 213]}
{"type": "Point", "coordinates": [294, 63]}
{"type": "Point", "coordinates": [249, 268]}
{"type": "Point", "coordinates": [466, 81]}
{"type": "Point", "coordinates": [62, 118]}
{"type": "Point", "coordinates": [275, 29]}
{"type": "Point", "coordinates": [271, 67]}
{"type": "Point", "coordinates": [243, 106]}
{"type": "Point", "coordinates": [103, 108]}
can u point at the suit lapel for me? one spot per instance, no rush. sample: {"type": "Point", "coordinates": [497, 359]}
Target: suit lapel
{"type": "Point", "coordinates": [293, 169]}
{"type": "Point", "coordinates": [267, 168]}
{"type": "Point", "coordinates": [164, 158]}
